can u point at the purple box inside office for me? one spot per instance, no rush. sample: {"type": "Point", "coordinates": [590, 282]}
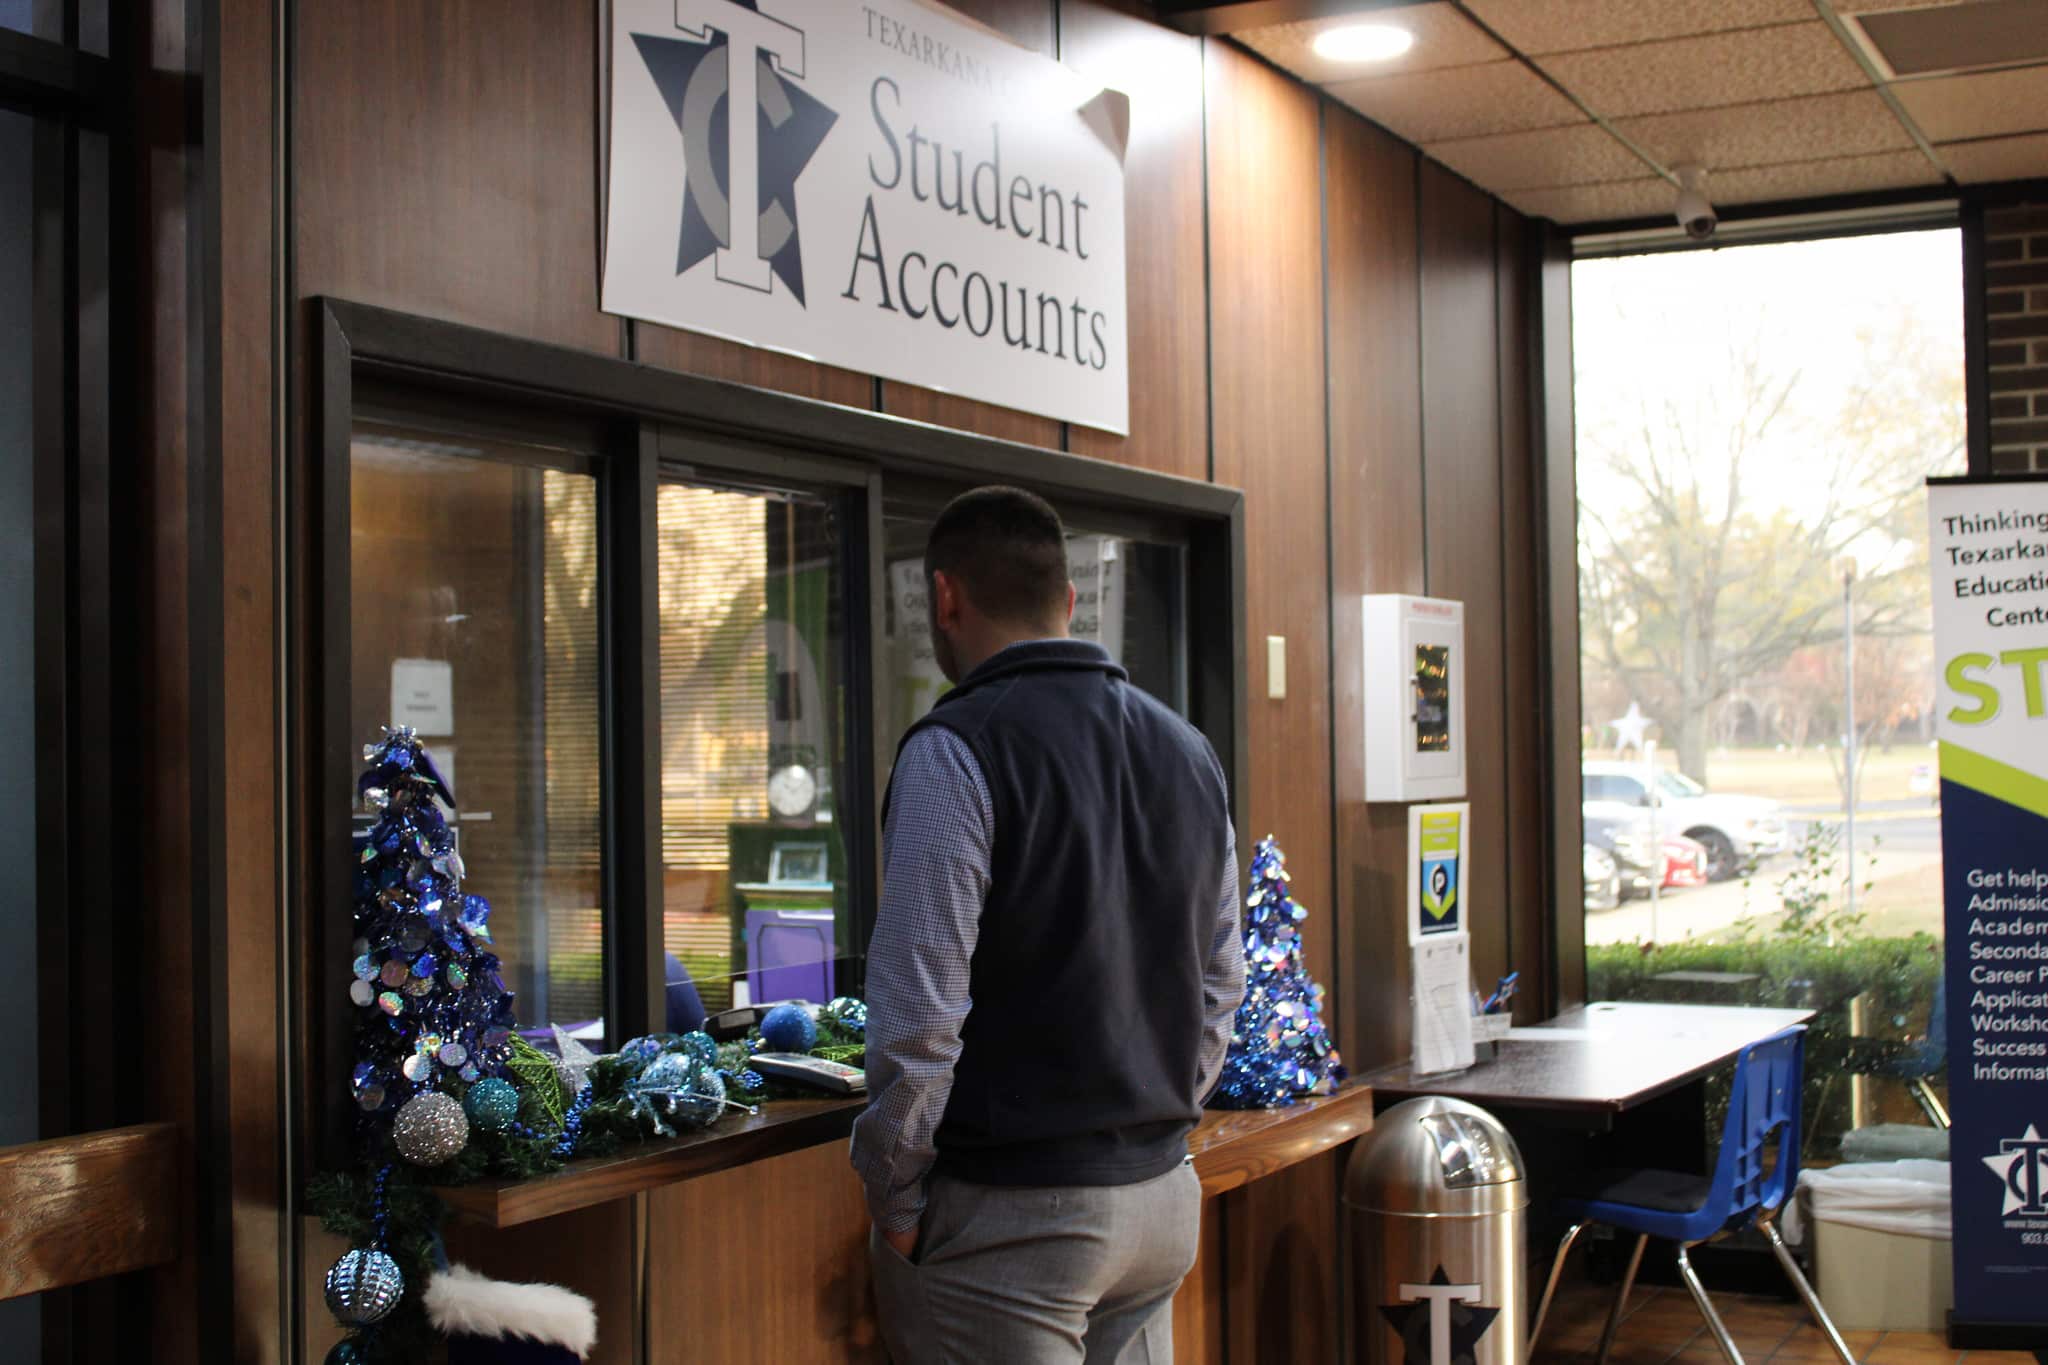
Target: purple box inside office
{"type": "Point", "coordinates": [790, 954]}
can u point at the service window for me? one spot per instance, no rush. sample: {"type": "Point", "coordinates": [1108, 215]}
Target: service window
{"type": "Point", "coordinates": [1130, 596]}
{"type": "Point", "coordinates": [474, 618]}
{"type": "Point", "coordinates": [758, 902]}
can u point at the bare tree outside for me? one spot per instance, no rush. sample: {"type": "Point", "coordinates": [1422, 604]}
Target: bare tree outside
{"type": "Point", "coordinates": [1706, 563]}
{"type": "Point", "coordinates": [1755, 428]}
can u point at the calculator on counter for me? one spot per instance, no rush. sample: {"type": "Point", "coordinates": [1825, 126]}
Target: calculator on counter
{"type": "Point", "coordinates": [834, 1077]}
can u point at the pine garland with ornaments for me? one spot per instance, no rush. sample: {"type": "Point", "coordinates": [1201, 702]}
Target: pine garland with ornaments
{"type": "Point", "coordinates": [446, 1091]}
{"type": "Point", "coordinates": [1280, 1048]}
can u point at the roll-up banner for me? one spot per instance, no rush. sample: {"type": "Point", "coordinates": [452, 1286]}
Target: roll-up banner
{"type": "Point", "coordinates": [932, 202]}
{"type": "Point", "coordinates": [1989, 562]}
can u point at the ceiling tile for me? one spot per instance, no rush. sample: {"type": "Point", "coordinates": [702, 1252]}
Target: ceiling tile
{"type": "Point", "coordinates": [1582, 155]}
{"type": "Point", "coordinates": [1699, 73]}
{"type": "Point", "coordinates": [1443, 37]}
{"type": "Point", "coordinates": [1953, 108]}
{"type": "Point", "coordinates": [1837, 175]}
{"type": "Point", "coordinates": [1997, 158]}
{"type": "Point", "coordinates": [1539, 27]}
{"type": "Point", "coordinates": [1595, 203]}
{"type": "Point", "coordinates": [1958, 37]}
{"type": "Point", "coordinates": [1466, 101]}
{"type": "Point", "coordinates": [1806, 129]}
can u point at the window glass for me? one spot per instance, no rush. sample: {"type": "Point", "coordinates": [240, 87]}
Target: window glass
{"type": "Point", "coordinates": [19, 1090]}
{"type": "Point", "coordinates": [1754, 430]}
{"type": "Point", "coordinates": [20, 15]}
{"type": "Point", "coordinates": [755, 890]}
{"type": "Point", "coordinates": [1129, 596]}
{"type": "Point", "coordinates": [1679, 785]}
{"type": "Point", "coordinates": [474, 608]}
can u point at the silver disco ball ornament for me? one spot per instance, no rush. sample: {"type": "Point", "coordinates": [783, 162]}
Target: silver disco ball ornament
{"type": "Point", "coordinates": [430, 1129]}
{"type": "Point", "coordinates": [363, 1287]}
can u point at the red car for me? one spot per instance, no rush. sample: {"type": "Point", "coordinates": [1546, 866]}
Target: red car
{"type": "Point", "coordinates": [1685, 861]}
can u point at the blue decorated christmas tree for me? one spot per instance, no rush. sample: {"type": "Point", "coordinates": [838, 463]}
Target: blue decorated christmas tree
{"type": "Point", "coordinates": [1280, 1048]}
{"type": "Point", "coordinates": [433, 1016]}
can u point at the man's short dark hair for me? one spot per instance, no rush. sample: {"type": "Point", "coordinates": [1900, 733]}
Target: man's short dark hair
{"type": "Point", "coordinates": [1006, 548]}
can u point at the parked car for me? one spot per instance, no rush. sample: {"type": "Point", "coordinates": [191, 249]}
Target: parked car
{"type": "Point", "coordinates": [1602, 877]}
{"type": "Point", "coordinates": [1623, 834]}
{"type": "Point", "coordinates": [1686, 862]}
{"type": "Point", "coordinates": [1738, 831]}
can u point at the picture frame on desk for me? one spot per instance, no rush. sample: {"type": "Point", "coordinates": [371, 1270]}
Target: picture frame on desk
{"type": "Point", "coordinates": [799, 863]}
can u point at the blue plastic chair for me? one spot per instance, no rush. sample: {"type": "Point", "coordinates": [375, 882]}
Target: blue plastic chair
{"type": "Point", "coordinates": [1925, 1059]}
{"type": "Point", "coordinates": [1746, 1190]}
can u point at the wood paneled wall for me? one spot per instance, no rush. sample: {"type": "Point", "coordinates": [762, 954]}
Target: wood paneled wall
{"type": "Point", "coordinates": [1318, 317]}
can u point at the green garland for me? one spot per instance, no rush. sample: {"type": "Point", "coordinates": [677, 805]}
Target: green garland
{"type": "Point", "coordinates": [345, 1201]}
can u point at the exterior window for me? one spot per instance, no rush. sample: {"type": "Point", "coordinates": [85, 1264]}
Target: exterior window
{"type": "Point", "coordinates": [474, 618]}
{"type": "Point", "coordinates": [1755, 427]}
{"type": "Point", "coordinates": [757, 901]}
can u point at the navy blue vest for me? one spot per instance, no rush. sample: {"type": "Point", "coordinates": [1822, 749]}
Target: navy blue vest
{"type": "Point", "coordinates": [1079, 1055]}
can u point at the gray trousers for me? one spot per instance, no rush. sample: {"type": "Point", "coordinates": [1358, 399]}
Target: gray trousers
{"type": "Point", "coordinates": [1031, 1275]}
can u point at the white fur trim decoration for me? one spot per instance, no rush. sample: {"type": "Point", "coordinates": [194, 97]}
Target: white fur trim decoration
{"type": "Point", "coordinates": [460, 1302]}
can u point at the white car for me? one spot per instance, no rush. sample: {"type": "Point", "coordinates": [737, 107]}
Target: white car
{"type": "Point", "coordinates": [1738, 831]}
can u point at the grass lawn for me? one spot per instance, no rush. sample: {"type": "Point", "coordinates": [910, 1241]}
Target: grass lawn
{"type": "Point", "coordinates": [1804, 777]}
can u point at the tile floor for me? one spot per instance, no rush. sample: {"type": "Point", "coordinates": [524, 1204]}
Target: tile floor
{"type": "Point", "coordinates": [1664, 1325]}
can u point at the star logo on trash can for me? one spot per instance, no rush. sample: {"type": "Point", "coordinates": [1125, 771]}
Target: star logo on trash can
{"type": "Point", "coordinates": [2019, 1164]}
{"type": "Point", "coordinates": [1437, 1322]}
{"type": "Point", "coordinates": [739, 174]}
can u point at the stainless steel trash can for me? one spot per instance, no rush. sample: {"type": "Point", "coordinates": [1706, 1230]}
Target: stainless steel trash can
{"type": "Point", "coordinates": [1436, 1198]}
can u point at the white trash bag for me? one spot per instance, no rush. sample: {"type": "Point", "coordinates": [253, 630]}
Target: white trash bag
{"type": "Point", "coordinates": [1910, 1197]}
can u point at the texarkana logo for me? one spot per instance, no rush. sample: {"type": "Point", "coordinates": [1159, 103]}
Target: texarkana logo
{"type": "Point", "coordinates": [2019, 1164]}
{"type": "Point", "coordinates": [1436, 1322]}
{"type": "Point", "coordinates": [739, 58]}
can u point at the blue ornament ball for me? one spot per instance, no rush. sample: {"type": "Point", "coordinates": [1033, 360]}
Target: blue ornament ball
{"type": "Point", "coordinates": [641, 1051]}
{"type": "Point", "coordinates": [347, 1353]}
{"type": "Point", "coordinates": [492, 1104]}
{"type": "Point", "coordinates": [789, 1028]}
{"type": "Point", "coordinates": [363, 1287]}
{"type": "Point", "coordinates": [701, 1105]}
{"type": "Point", "coordinates": [657, 1093]}
{"type": "Point", "coordinates": [699, 1045]}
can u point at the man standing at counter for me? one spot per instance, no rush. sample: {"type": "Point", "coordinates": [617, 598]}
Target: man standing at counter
{"type": "Point", "coordinates": [1051, 980]}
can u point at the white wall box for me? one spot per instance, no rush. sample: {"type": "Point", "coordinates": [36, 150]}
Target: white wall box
{"type": "Point", "coordinates": [1414, 698]}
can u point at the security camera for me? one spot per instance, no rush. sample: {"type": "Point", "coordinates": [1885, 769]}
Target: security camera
{"type": "Point", "coordinates": [1693, 212]}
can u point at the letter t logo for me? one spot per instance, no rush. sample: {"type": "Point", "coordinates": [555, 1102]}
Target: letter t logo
{"type": "Point", "coordinates": [749, 35]}
{"type": "Point", "coordinates": [1440, 1298]}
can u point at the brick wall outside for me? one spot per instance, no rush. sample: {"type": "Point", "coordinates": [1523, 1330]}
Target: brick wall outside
{"type": "Point", "coordinates": [2016, 327]}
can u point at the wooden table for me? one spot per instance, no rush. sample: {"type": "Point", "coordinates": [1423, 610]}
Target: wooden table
{"type": "Point", "coordinates": [1590, 1064]}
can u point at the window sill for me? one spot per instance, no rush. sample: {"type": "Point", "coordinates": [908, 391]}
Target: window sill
{"type": "Point", "coordinates": [782, 1126]}
{"type": "Point", "coordinates": [1230, 1149]}
{"type": "Point", "coordinates": [1234, 1147]}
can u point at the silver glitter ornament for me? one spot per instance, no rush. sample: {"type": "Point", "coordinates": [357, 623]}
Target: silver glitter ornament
{"type": "Point", "coordinates": [430, 1129]}
{"type": "Point", "coordinates": [573, 1062]}
{"type": "Point", "coordinates": [363, 1287]}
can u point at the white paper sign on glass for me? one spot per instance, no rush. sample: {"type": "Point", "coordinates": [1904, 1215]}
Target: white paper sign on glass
{"type": "Point", "coordinates": [934, 204]}
{"type": "Point", "coordinates": [423, 695]}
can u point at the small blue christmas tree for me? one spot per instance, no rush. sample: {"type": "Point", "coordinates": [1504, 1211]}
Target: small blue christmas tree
{"type": "Point", "coordinates": [1280, 1049]}
{"type": "Point", "coordinates": [432, 1011]}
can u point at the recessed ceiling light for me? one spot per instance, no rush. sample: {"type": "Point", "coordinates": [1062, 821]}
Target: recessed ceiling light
{"type": "Point", "coordinates": [1363, 43]}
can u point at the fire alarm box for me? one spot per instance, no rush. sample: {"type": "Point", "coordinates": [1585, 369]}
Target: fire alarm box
{"type": "Point", "coordinates": [1414, 698]}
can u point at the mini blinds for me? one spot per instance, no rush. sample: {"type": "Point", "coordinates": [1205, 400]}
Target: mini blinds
{"type": "Point", "coordinates": [714, 657]}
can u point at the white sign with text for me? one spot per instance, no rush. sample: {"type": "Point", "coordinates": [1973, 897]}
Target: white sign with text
{"type": "Point", "coordinates": [934, 203]}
